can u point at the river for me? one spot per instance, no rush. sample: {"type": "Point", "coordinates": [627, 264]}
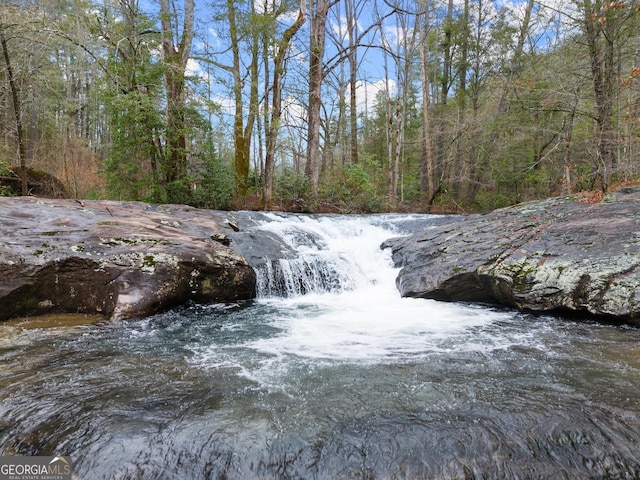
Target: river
{"type": "Point", "coordinates": [328, 374]}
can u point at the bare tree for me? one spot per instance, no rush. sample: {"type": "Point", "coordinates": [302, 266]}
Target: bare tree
{"type": "Point", "coordinates": [402, 52]}
{"type": "Point", "coordinates": [352, 10]}
{"type": "Point", "coordinates": [427, 170]}
{"type": "Point", "coordinates": [271, 133]}
{"type": "Point", "coordinates": [17, 109]}
{"type": "Point", "coordinates": [318, 18]}
{"type": "Point", "coordinates": [513, 70]}
{"type": "Point", "coordinates": [603, 24]}
{"type": "Point", "coordinates": [447, 46]}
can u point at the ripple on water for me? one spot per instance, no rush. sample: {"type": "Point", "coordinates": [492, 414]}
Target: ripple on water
{"type": "Point", "coordinates": [357, 385]}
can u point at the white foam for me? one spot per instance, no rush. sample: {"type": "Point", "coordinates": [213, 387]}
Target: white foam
{"type": "Point", "coordinates": [369, 325]}
{"type": "Point", "coordinates": [369, 322]}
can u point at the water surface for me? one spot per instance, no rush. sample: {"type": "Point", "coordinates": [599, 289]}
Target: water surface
{"type": "Point", "coordinates": [346, 381]}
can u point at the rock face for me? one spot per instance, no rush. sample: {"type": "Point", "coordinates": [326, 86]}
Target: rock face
{"type": "Point", "coordinates": [118, 259]}
{"type": "Point", "coordinates": [558, 255]}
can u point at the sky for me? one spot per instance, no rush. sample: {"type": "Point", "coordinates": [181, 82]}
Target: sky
{"type": "Point", "coordinates": [371, 72]}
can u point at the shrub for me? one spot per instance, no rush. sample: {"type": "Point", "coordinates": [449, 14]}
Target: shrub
{"type": "Point", "coordinates": [292, 189]}
{"type": "Point", "coordinates": [214, 184]}
{"type": "Point", "coordinates": [5, 190]}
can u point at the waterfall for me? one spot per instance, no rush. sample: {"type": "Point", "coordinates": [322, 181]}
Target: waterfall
{"type": "Point", "coordinates": [332, 291]}
{"type": "Point", "coordinates": [293, 277]}
{"type": "Point", "coordinates": [324, 254]}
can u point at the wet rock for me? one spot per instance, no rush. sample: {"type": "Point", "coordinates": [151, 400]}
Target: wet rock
{"type": "Point", "coordinates": [259, 247]}
{"type": "Point", "coordinates": [221, 238]}
{"type": "Point", "coordinates": [117, 259]}
{"type": "Point", "coordinates": [559, 255]}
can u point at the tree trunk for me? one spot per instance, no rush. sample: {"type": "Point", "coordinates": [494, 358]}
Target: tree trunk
{"type": "Point", "coordinates": [463, 64]}
{"type": "Point", "coordinates": [388, 128]}
{"type": "Point", "coordinates": [318, 19]}
{"type": "Point", "coordinates": [446, 52]}
{"type": "Point", "coordinates": [276, 107]}
{"type": "Point", "coordinates": [15, 97]}
{"type": "Point", "coordinates": [427, 170]}
{"type": "Point", "coordinates": [254, 108]}
{"type": "Point", "coordinates": [457, 164]}
{"type": "Point", "coordinates": [242, 132]}
{"type": "Point", "coordinates": [176, 56]}
{"type": "Point", "coordinates": [241, 160]}
{"type": "Point", "coordinates": [601, 56]}
{"type": "Point", "coordinates": [352, 22]}
{"type": "Point", "coordinates": [570, 119]}
{"type": "Point", "coordinates": [399, 137]}
{"type": "Point", "coordinates": [515, 67]}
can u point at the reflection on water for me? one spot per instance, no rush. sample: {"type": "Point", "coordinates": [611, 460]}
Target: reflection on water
{"type": "Point", "coordinates": [54, 320]}
{"type": "Point", "coordinates": [347, 384]}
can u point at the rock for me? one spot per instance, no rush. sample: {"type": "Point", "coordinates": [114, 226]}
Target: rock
{"type": "Point", "coordinates": [221, 238]}
{"type": "Point", "coordinates": [259, 247]}
{"type": "Point", "coordinates": [117, 259]}
{"type": "Point", "coordinates": [558, 255]}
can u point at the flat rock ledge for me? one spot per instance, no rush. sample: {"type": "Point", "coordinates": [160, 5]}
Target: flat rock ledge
{"type": "Point", "coordinates": [116, 259]}
{"type": "Point", "coordinates": [559, 255]}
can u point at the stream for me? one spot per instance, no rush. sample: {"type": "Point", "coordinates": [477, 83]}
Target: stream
{"type": "Point", "coordinates": [328, 374]}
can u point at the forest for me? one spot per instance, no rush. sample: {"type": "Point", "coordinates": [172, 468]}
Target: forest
{"type": "Point", "coordinates": [320, 105]}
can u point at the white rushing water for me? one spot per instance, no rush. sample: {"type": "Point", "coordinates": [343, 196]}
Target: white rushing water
{"type": "Point", "coordinates": [353, 310]}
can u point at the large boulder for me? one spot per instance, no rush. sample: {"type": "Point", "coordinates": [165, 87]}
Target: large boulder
{"type": "Point", "coordinates": [118, 259]}
{"type": "Point", "coordinates": [561, 255]}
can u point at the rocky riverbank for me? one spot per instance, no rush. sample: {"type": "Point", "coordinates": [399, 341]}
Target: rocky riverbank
{"type": "Point", "coordinates": [116, 259]}
{"type": "Point", "coordinates": [130, 259]}
{"type": "Point", "coordinates": [559, 255]}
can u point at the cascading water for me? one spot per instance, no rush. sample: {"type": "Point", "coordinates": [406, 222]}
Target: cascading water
{"type": "Point", "coordinates": [329, 374]}
{"type": "Point", "coordinates": [332, 255]}
{"type": "Point", "coordinates": [337, 298]}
